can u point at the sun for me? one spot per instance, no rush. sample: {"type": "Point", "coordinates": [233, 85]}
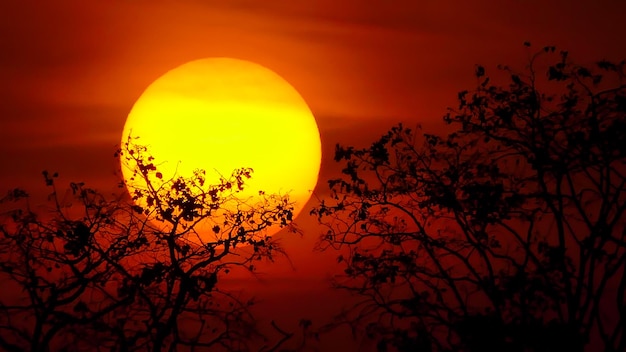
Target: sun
{"type": "Point", "coordinates": [222, 114]}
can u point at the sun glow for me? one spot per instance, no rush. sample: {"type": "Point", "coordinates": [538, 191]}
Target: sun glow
{"type": "Point", "coordinates": [221, 114]}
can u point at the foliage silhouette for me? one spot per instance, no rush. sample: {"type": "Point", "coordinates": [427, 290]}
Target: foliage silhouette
{"type": "Point", "coordinates": [100, 274]}
{"type": "Point", "coordinates": [507, 234]}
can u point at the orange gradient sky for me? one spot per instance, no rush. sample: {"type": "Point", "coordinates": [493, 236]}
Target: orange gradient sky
{"type": "Point", "coordinates": [70, 71]}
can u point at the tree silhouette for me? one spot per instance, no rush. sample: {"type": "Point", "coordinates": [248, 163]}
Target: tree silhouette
{"type": "Point", "coordinates": [107, 274]}
{"type": "Point", "coordinates": [507, 234]}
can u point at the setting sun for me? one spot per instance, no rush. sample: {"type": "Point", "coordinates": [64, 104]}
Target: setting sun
{"type": "Point", "coordinates": [222, 114]}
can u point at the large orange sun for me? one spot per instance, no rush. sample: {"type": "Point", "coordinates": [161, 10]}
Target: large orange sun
{"type": "Point", "coordinates": [222, 114]}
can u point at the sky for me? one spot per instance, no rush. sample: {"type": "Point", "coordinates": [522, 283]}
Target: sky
{"type": "Point", "coordinates": [70, 71]}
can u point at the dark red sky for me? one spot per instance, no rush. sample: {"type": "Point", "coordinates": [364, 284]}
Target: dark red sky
{"type": "Point", "coordinates": [70, 71]}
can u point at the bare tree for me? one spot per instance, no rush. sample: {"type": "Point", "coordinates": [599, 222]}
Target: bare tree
{"type": "Point", "coordinates": [507, 234]}
{"type": "Point", "coordinates": [110, 274]}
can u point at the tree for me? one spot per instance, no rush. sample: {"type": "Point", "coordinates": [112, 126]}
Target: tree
{"type": "Point", "coordinates": [110, 274]}
{"type": "Point", "coordinates": [507, 234]}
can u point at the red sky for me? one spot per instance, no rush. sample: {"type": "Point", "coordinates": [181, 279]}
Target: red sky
{"type": "Point", "coordinates": [70, 71]}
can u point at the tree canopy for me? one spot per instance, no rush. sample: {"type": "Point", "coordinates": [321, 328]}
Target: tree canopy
{"type": "Point", "coordinates": [93, 273]}
{"type": "Point", "coordinates": [507, 233]}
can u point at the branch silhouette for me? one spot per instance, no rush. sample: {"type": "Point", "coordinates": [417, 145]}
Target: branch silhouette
{"type": "Point", "coordinates": [108, 274]}
{"type": "Point", "coordinates": [507, 234]}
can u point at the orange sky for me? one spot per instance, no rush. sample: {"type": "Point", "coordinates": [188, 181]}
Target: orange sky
{"type": "Point", "coordinates": [70, 71]}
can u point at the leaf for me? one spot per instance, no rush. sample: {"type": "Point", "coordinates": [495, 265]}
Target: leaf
{"type": "Point", "coordinates": [583, 72]}
{"type": "Point", "coordinates": [480, 71]}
